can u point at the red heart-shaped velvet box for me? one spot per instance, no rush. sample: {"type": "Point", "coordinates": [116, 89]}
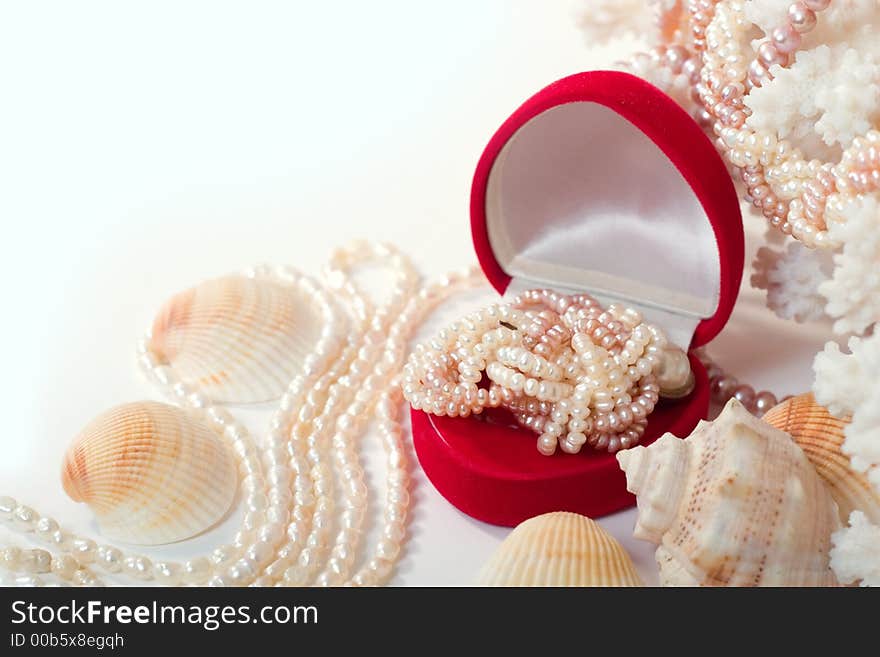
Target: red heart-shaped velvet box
{"type": "Point", "coordinates": [599, 183]}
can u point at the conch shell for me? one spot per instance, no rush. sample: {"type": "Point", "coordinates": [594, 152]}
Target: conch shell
{"type": "Point", "coordinates": [737, 503]}
{"type": "Point", "coordinates": [236, 339]}
{"type": "Point", "coordinates": [821, 436]}
{"type": "Point", "coordinates": [152, 473]}
{"type": "Point", "coordinates": [559, 549]}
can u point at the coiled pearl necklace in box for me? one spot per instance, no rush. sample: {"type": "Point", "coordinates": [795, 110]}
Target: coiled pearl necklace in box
{"type": "Point", "coordinates": [569, 370]}
{"type": "Point", "coordinates": [304, 488]}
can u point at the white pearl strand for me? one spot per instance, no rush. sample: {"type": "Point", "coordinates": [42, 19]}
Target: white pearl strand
{"type": "Point", "coordinates": [355, 370]}
{"type": "Point", "coordinates": [32, 563]}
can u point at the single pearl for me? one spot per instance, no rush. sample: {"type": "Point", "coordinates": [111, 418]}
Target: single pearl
{"type": "Point", "coordinates": [786, 39]}
{"type": "Point", "coordinates": [758, 74]}
{"type": "Point", "coordinates": [37, 561]}
{"type": "Point", "coordinates": [84, 549]}
{"type": "Point", "coordinates": [802, 18]}
{"type": "Point", "coordinates": [7, 508]}
{"type": "Point", "coordinates": [45, 528]}
{"type": "Point", "coordinates": [744, 394]}
{"type": "Point", "coordinates": [722, 387]}
{"type": "Point", "coordinates": [11, 557]}
{"type": "Point", "coordinates": [764, 401]}
{"type": "Point", "coordinates": [197, 571]}
{"type": "Point", "coordinates": [138, 567]}
{"type": "Point", "coordinates": [64, 566]}
{"type": "Point", "coordinates": [109, 558]}
{"type": "Point", "coordinates": [25, 518]}
{"type": "Point", "coordinates": [770, 55]}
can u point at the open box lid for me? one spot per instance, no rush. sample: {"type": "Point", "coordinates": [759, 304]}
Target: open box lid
{"type": "Point", "coordinates": [602, 183]}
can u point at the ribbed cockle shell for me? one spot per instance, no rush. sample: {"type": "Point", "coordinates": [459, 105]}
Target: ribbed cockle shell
{"type": "Point", "coordinates": [151, 473]}
{"type": "Point", "coordinates": [737, 503]}
{"type": "Point", "coordinates": [236, 339]}
{"type": "Point", "coordinates": [821, 436]}
{"type": "Point", "coordinates": [559, 549]}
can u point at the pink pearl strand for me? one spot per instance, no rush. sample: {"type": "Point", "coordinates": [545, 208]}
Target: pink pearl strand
{"type": "Point", "coordinates": [785, 39]}
{"type": "Point", "coordinates": [723, 387]}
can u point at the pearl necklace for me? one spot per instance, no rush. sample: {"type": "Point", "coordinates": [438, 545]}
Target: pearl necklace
{"type": "Point", "coordinates": [286, 535]}
{"type": "Point", "coordinates": [569, 370]}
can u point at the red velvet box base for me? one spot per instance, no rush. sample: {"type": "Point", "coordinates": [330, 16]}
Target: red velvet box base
{"type": "Point", "coordinates": [493, 472]}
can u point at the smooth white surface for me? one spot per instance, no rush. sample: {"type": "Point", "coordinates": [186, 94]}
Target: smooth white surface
{"type": "Point", "coordinates": [148, 147]}
{"type": "Point", "coordinates": [578, 182]}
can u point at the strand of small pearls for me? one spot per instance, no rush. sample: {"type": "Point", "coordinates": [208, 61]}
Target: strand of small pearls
{"type": "Point", "coordinates": [723, 387]}
{"type": "Point", "coordinates": [568, 370]}
{"type": "Point", "coordinates": [785, 39]}
{"type": "Point", "coordinates": [701, 13]}
{"type": "Point", "coordinates": [378, 568]}
{"type": "Point", "coordinates": [288, 494]}
{"type": "Point", "coordinates": [794, 194]}
{"type": "Point", "coordinates": [349, 402]}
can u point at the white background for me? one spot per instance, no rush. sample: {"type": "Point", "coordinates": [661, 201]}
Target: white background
{"type": "Point", "coordinates": [146, 147]}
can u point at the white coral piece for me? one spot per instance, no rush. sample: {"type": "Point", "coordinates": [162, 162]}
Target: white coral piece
{"type": "Point", "coordinates": [853, 291]}
{"type": "Point", "coordinates": [825, 99]}
{"type": "Point", "coordinates": [649, 20]}
{"type": "Point", "coordinates": [766, 14]}
{"type": "Point", "coordinates": [792, 279]}
{"type": "Point", "coordinates": [676, 86]}
{"type": "Point", "coordinates": [843, 380]}
{"type": "Point", "coordinates": [604, 20]}
{"type": "Point", "coordinates": [862, 442]}
{"type": "Point", "coordinates": [831, 92]}
{"type": "Point", "coordinates": [847, 384]}
{"type": "Point", "coordinates": [854, 555]}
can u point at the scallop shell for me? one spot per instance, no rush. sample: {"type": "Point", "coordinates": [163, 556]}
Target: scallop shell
{"type": "Point", "coordinates": [821, 436]}
{"type": "Point", "coordinates": [736, 503]}
{"type": "Point", "coordinates": [559, 549]}
{"type": "Point", "coordinates": [151, 473]}
{"type": "Point", "coordinates": [236, 339]}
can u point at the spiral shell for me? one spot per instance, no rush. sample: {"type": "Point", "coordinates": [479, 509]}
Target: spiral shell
{"type": "Point", "coordinates": [821, 436]}
{"type": "Point", "coordinates": [559, 549]}
{"type": "Point", "coordinates": [151, 473]}
{"type": "Point", "coordinates": [236, 339]}
{"type": "Point", "coordinates": [736, 503]}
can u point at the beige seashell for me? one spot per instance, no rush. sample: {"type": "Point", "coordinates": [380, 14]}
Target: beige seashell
{"type": "Point", "coordinates": [737, 503]}
{"type": "Point", "coordinates": [559, 549]}
{"type": "Point", "coordinates": [821, 436]}
{"type": "Point", "coordinates": [151, 473]}
{"type": "Point", "coordinates": [236, 339]}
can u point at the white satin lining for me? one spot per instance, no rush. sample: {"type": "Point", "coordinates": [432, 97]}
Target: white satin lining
{"type": "Point", "coordinates": [580, 199]}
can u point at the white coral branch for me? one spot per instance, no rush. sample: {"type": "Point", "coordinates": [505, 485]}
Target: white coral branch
{"type": "Point", "coordinates": [792, 279]}
{"type": "Point", "coordinates": [604, 20]}
{"type": "Point", "coordinates": [853, 291]}
{"type": "Point", "coordinates": [842, 380]}
{"type": "Point", "coordinates": [855, 555]}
